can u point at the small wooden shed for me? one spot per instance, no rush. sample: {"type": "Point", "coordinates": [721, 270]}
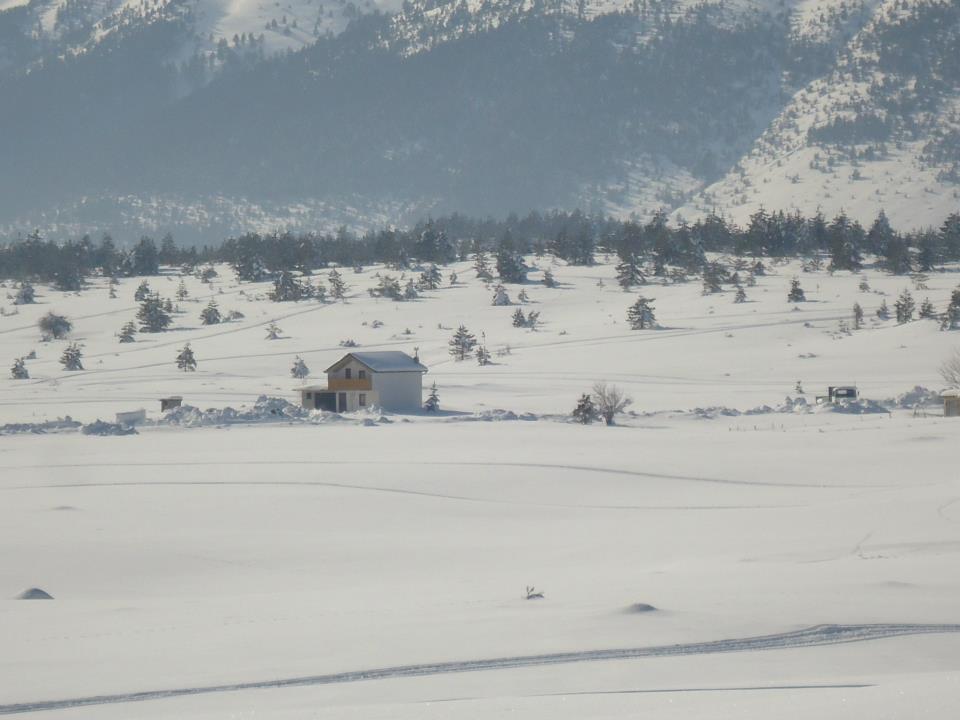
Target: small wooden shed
{"type": "Point", "coordinates": [951, 402]}
{"type": "Point", "coordinates": [167, 403]}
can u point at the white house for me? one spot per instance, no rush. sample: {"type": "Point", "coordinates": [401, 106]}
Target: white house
{"type": "Point", "coordinates": [390, 380]}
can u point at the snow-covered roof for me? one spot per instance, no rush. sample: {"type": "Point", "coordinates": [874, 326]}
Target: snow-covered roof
{"type": "Point", "coordinates": [952, 392]}
{"type": "Point", "coordinates": [382, 361]}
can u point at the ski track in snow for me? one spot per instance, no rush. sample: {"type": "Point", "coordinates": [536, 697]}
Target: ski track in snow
{"type": "Point", "coordinates": [818, 635]}
{"type": "Point", "coordinates": [391, 463]}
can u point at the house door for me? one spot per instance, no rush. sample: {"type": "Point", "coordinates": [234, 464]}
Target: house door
{"type": "Point", "coordinates": [341, 402]}
{"type": "Point", "coordinates": [326, 401]}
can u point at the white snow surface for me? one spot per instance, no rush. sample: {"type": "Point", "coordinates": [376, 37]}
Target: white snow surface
{"type": "Point", "coordinates": [193, 555]}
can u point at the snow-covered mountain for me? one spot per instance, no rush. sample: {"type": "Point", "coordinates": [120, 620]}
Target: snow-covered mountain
{"type": "Point", "coordinates": [216, 116]}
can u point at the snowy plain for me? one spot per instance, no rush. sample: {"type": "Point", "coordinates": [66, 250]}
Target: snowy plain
{"type": "Point", "coordinates": [201, 558]}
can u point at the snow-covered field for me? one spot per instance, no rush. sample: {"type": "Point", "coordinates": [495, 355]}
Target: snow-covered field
{"type": "Point", "coordinates": [802, 564]}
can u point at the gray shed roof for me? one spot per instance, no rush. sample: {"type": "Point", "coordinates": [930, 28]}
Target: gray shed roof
{"type": "Point", "coordinates": [382, 361]}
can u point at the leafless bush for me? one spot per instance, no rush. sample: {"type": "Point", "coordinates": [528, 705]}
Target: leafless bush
{"type": "Point", "coordinates": [609, 400]}
{"type": "Point", "coordinates": [950, 369]}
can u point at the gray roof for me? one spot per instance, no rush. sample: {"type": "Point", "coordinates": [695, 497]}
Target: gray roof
{"type": "Point", "coordinates": [383, 361]}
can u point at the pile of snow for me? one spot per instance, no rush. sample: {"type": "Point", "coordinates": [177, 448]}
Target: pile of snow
{"type": "Point", "coordinates": [103, 428]}
{"type": "Point", "coordinates": [34, 594]}
{"type": "Point", "coordinates": [66, 423]}
{"type": "Point", "coordinates": [918, 397]}
{"type": "Point", "coordinates": [264, 410]}
{"type": "Point", "coordinates": [861, 406]}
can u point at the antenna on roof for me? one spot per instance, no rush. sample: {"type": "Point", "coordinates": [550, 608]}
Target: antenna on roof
{"type": "Point", "coordinates": [416, 354]}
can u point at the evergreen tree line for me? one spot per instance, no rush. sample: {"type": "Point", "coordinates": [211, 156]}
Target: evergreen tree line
{"type": "Point", "coordinates": [654, 246]}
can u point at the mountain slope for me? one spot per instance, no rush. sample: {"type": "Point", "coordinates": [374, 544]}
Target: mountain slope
{"type": "Point", "coordinates": [159, 122]}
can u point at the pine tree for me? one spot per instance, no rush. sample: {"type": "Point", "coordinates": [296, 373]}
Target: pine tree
{"type": "Point", "coordinates": [287, 288]}
{"type": "Point", "coordinates": [112, 292]}
{"type": "Point", "coordinates": [951, 318]}
{"type": "Point", "coordinates": [481, 264]}
{"type": "Point", "coordinates": [585, 412]}
{"type": "Point", "coordinates": [299, 369]}
{"type": "Point", "coordinates": [210, 315]}
{"type": "Point", "coordinates": [628, 272]}
{"type": "Point", "coordinates": [883, 312]}
{"type": "Point", "coordinates": [533, 319]}
{"type": "Point", "coordinates": [72, 357]}
{"type": "Point", "coordinates": [519, 319]}
{"type": "Point", "coordinates": [153, 318]}
{"type": "Point", "coordinates": [548, 279]}
{"type": "Point", "coordinates": [864, 285]}
{"type": "Point", "coordinates": [857, 316]}
{"type": "Point", "coordinates": [927, 310]}
{"type": "Point", "coordinates": [338, 288]}
{"type": "Point", "coordinates": [462, 344]}
{"type": "Point", "coordinates": [483, 355]}
{"type": "Point", "coordinates": [712, 277]}
{"type": "Point", "coordinates": [904, 307]}
{"type": "Point", "coordinates": [26, 295]}
{"type": "Point", "coordinates": [19, 370]}
{"type": "Point", "coordinates": [142, 291]}
{"type": "Point", "coordinates": [640, 314]}
{"type": "Point", "coordinates": [523, 297]}
{"type": "Point", "coordinates": [430, 278]}
{"type": "Point", "coordinates": [410, 291]}
{"type": "Point", "coordinates": [273, 332]}
{"type": "Point", "coordinates": [433, 400]}
{"type": "Point", "coordinates": [186, 360]}
{"type": "Point", "coordinates": [168, 305]}
{"type": "Point", "coordinates": [388, 287]}
{"type": "Point", "coordinates": [127, 332]}
{"type": "Point", "coordinates": [453, 278]}
{"type": "Point", "coordinates": [796, 293]}
{"type": "Point", "coordinates": [741, 296]}
{"type": "Point", "coordinates": [182, 293]}
{"type": "Point", "coordinates": [500, 296]}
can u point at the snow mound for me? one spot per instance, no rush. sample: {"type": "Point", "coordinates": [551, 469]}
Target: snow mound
{"type": "Point", "coordinates": [102, 428]}
{"type": "Point", "coordinates": [66, 423]}
{"type": "Point", "coordinates": [919, 396]}
{"type": "Point", "coordinates": [855, 407]}
{"type": "Point", "coordinates": [265, 409]}
{"type": "Point", "coordinates": [34, 594]}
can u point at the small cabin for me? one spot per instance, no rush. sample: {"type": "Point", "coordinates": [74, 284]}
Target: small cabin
{"type": "Point", "coordinates": [836, 393]}
{"type": "Point", "coordinates": [131, 417]}
{"type": "Point", "coordinates": [951, 402]}
{"type": "Point", "coordinates": [390, 380]}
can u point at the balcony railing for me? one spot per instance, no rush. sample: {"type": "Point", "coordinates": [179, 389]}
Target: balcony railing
{"type": "Point", "coordinates": [335, 384]}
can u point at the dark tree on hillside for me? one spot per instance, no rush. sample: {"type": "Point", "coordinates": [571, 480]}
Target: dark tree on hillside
{"type": "Point", "coordinates": [54, 326]}
{"type": "Point", "coordinates": [186, 360]}
{"type": "Point", "coordinates": [146, 259]}
{"type": "Point", "coordinates": [796, 293]}
{"type": "Point", "coordinates": [25, 295]}
{"type": "Point", "coordinates": [210, 315]}
{"type": "Point", "coordinates": [628, 271]}
{"type": "Point", "coordinates": [72, 357]}
{"type": "Point", "coordinates": [19, 370]}
{"type": "Point", "coordinates": [585, 412]}
{"type": "Point", "coordinates": [462, 344]}
{"type": "Point", "coordinates": [857, 316]}
{"type": "Point", "coordinates": [433, 400]}
{"type": "Point", "coordinates": [153, 318]}
{"type": "Point", "coordinates": [510, 265]}
{"type": "Point", "coordinates": [640, 315]}
{"type": "Point", "coordinates": [338, 288]}
{"type": "Point", "coordinates": [904, 307]}
{"type": "Point", "coordinates": [127, 332]}
{"type": "Point", "coordinates": [142, 292]}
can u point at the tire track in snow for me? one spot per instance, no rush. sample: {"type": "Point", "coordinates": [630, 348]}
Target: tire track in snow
{"type": "Point", "coordinates": [393, 463]}
{"type": "Point", "coordinates": [815, 636]}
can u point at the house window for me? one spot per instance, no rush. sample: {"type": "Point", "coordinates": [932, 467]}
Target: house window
{"type": "Point", "coordinates": [347, 373]}
{"type": "Point", "coordinates": [309, 395]}
{"type": "Point", "coordinates": [362, 374]}
{"type": "Point", "coordinates": [362, 400]}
